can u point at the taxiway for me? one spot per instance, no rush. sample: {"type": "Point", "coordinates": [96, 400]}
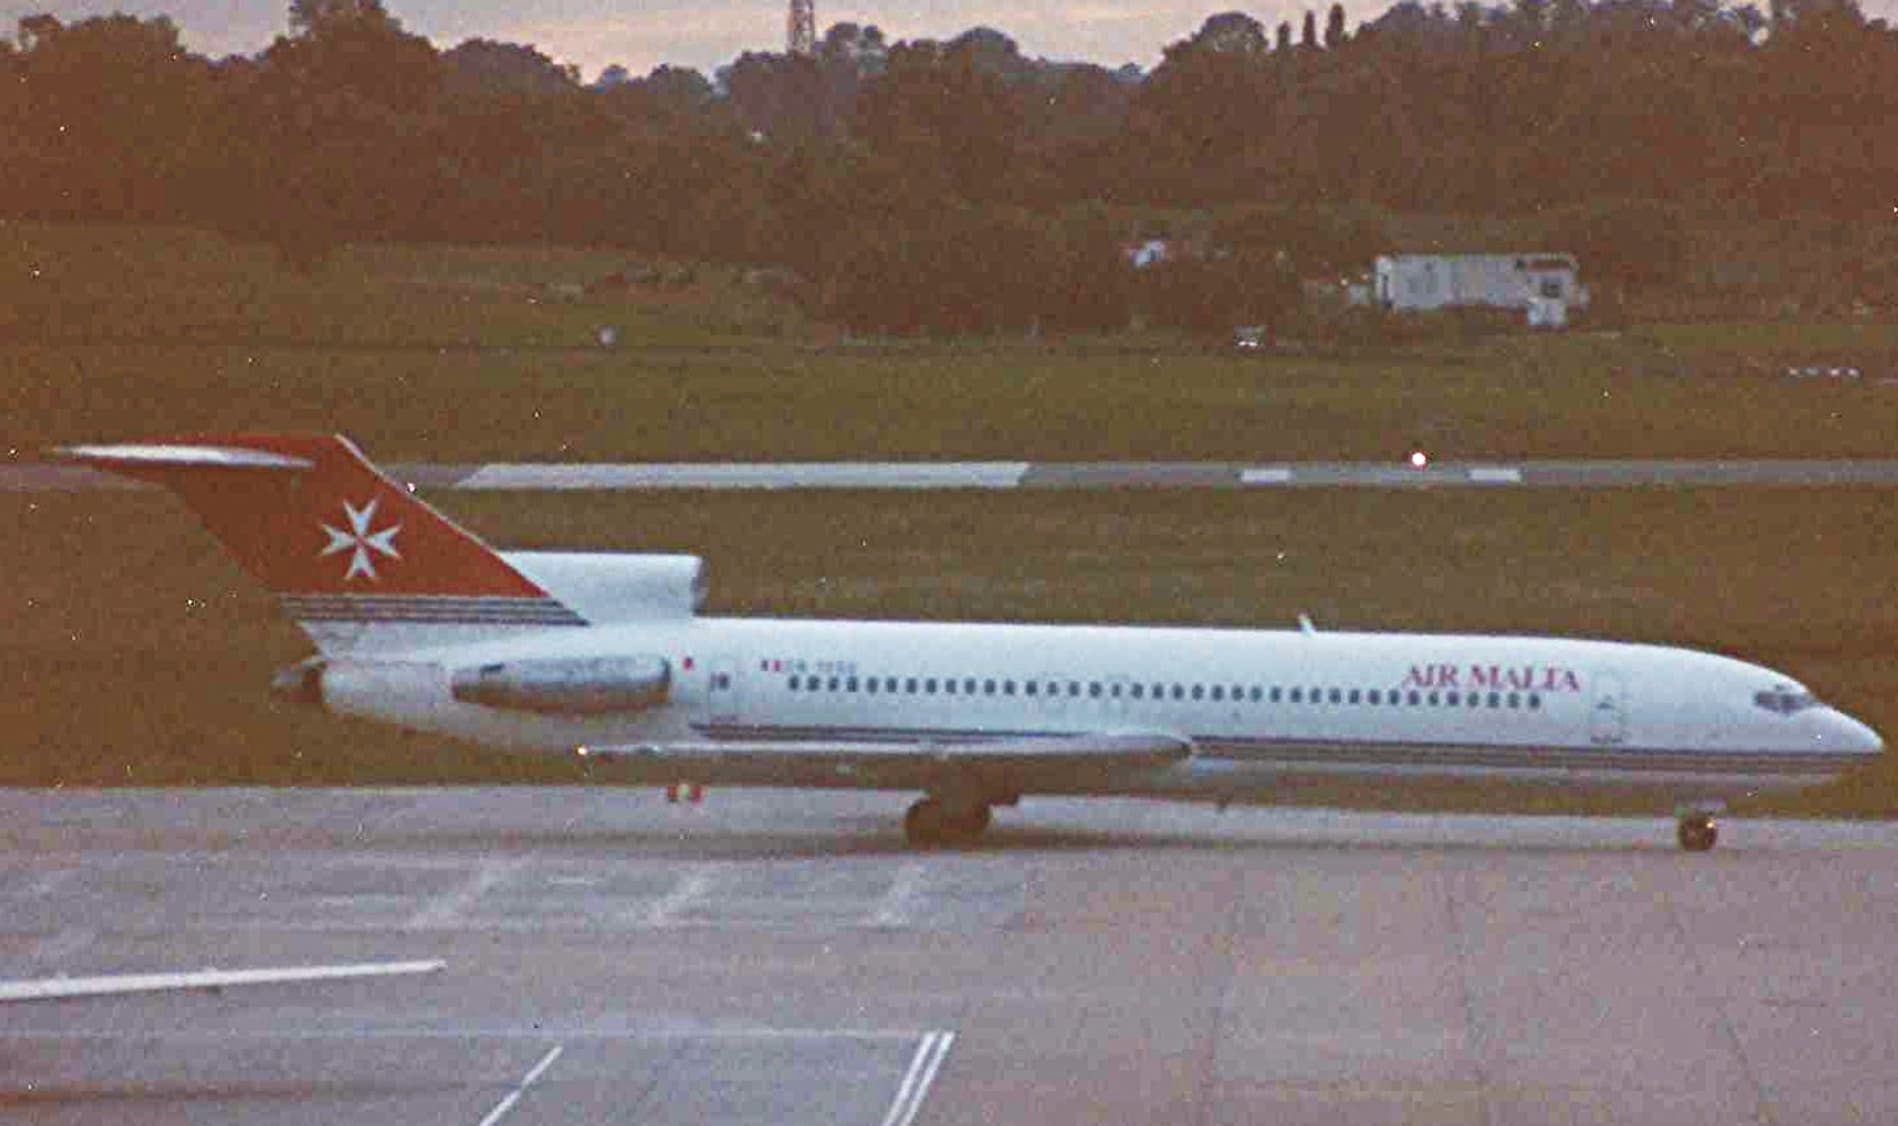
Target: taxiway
{"type": "Point", "coordinates": [779, 957]}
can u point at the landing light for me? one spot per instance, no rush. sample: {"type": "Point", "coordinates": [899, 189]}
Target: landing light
{"type": "Point", "coordinates": [1419, 459]}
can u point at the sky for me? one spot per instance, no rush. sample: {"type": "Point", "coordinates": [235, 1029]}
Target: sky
{"type": "Point", "coordinates": [641, 34]}
{"type": "Point", "coordinates": [706, 34]}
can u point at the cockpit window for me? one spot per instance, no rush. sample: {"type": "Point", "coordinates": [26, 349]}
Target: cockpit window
{"type": "Point", "coordinates": [1785, 701]}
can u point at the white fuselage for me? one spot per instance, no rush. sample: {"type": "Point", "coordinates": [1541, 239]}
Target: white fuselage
{"type": "Point", "coordinates": [1258, 707]}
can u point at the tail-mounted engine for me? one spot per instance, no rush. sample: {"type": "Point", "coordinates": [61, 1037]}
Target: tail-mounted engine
{"type": "Point", "coordinates": [566, 686]}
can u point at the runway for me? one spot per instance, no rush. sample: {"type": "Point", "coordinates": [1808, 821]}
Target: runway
{"type": "Point", "coordinates": [779, 957]}
{"type": "Point", "coordinates": [1005, 475]}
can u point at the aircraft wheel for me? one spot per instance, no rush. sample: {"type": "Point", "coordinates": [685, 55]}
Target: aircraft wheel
{"type": "Point", "coordinates": [929, 823]}
{"type": "Point", "coordinates": [971, 823]}
{"type": "Point", "coordinates": [926, 824]}
{"type": "Point", "coordinates": [1698, 833]}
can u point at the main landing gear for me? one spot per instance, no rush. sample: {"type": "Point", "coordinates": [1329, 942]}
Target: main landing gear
{"type": "Point", "coordinates": [1698, 831]}
{"type": "Point", "coordinates": [933, 821]}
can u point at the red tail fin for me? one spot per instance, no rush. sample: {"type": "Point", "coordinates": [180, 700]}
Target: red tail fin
{"type": "Point", "coordinates": [341, 543]}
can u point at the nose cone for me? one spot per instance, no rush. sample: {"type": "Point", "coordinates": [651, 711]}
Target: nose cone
{"type": "Point", "coordinates": [1839, 733]}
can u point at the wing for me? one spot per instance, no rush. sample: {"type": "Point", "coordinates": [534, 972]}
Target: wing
{"type": "Point", "coordinates": [1004, 764]}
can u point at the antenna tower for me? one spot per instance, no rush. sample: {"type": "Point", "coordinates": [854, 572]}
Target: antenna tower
{"type": "Point", "coordinates": [800, 36]}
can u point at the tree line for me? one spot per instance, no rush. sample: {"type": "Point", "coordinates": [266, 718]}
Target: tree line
{"type": "Point", "coordinates": [960, 186]}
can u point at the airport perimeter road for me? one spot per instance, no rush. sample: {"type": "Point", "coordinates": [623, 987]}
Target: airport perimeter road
{"type": "Point", "coordinates": [777, 957]}
{"type": "Point", "coordinates": [551, 477]}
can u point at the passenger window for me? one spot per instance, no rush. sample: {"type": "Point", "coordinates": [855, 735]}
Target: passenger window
{"type": "Point", "coordinates": [1433, 699]}
{"type": "Point", "coordinates": [1274, 696]}
{"type": "Point", "coordinates": [909, 685]}
{"type": "Point", "coordinates": [1254, 694]}
{"type": "Point", "coordinates": [929, 686]}
{"type": "Point", "coordinates": [1450, 698]}
{"type": "Point", "coordinates": [1515, 699]}
{"type": "Point", "coordinates": [1094, 689]}
{"type": "Point", "coordinates": [1298, 696]}
{"type": "Point", "coordinates": [1114, 691]}
{"type": "Point", "coordinates": [849, 685]}
{"type": "Point", "coordinates": [1030, 688]}
{"type": "Point", "coordinates": [1374, 697]}
{"type": "Point", "coordinates": [1354, 697]}
{"type": "Point", "coordinates": [949, 686]}
{"type": "Point", "coordinates": [1336, 696]}
{"type": "Point", "coordinates": [870, 685]}
{"type": "Point", "coordinates": [1139, 690]}
{"type": "Point", "coordinates": [968, 686]}
{"type": "Point", "coordinates": [1008, 688]}
{"type": "Point", "coordinates": [791, 683]}
{"type": "Point", "coordinates": [833, 684]}
{"type": "Point", "coordinates": [1495, 699]}
{"type": "Point", "coordinates": [1074, 688]}
{"type": "Point", "coordinates": [1199, 692]}
{"type": "Point", "coordinates": [1535, 702]}
{"type": "Point", "coordinates": [1416, 698]}
{"type": "Point", "coordinates": [1219, 692]}
{"type": "Point", "coordinates": [988, 688]}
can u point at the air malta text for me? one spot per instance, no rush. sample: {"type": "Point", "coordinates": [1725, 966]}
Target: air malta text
{"type": "Point", "coordinates": [1512, 678]}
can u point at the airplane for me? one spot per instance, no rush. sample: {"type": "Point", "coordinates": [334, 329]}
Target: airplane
{"type": "Point", "coordinates": [606, 657]}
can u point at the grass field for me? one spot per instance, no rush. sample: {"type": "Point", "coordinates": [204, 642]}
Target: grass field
{"type": "Point", "coordinates": [471, 354]}
{"type": "Point", "coordinates": [135, 653]}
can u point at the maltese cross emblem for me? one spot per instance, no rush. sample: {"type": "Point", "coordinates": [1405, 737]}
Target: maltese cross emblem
{"type": "Point", "coordinates": [361, 541]}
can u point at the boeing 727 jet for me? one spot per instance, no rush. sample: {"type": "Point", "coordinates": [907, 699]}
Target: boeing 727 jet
{"type": "Point", "coordinates": [418, 623]}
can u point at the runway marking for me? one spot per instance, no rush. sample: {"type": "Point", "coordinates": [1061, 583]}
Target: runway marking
{"type": "Point", "coordinates": [1495, 475]}
{"type": "Point", "coordinates": [58, 987]}
{"type": "Point", "coordinates": [898, 906]}
{"type": "Point", "coordinates": [446, 909]}
{"type": "Point", "coordinates": [691, 887]}
{"type": "Point", "coordinates": [751, 475]}
{"type": "Point", "coordinates": [922, 1072]}
{"type": "Point", "coordinates": [1269, 475]}
{"type": "Point", "coordinates": [506, 1104]}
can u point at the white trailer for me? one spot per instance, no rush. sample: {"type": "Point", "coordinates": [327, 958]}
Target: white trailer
{"type": "Point", "coordinates": [1543, 284]}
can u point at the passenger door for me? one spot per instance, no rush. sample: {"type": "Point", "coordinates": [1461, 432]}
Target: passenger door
{"type": "Point", "coordinates": [721, 690]}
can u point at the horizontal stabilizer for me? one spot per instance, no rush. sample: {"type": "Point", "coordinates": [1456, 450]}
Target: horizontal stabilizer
{"type": "Point", "coordinates": [135, 456]}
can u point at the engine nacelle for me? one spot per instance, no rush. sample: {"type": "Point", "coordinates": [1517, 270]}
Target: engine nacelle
{"type": "Point", "coordinates": [566, 686]}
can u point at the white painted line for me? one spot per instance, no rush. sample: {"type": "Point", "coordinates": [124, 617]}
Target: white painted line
{"type": "Point", "coordinates": [445, 910]}
{"type": "Point", "coordinates": [58, 987]}
{"type": "Point", "coordinates": [1495, 475]}
{"type": "Point", "coordinates": [898, 906]}
{"type": "Point", "coordinates": [757, 475]}
{"type": "Point", "coordinates": [690, 889]}
{"type": "Point", "coordinates": [1267, 475]}
{"type": "Point", "coordinates": [506, 1104]}
{"type": "Point", "coordinates": [922, 1072]}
